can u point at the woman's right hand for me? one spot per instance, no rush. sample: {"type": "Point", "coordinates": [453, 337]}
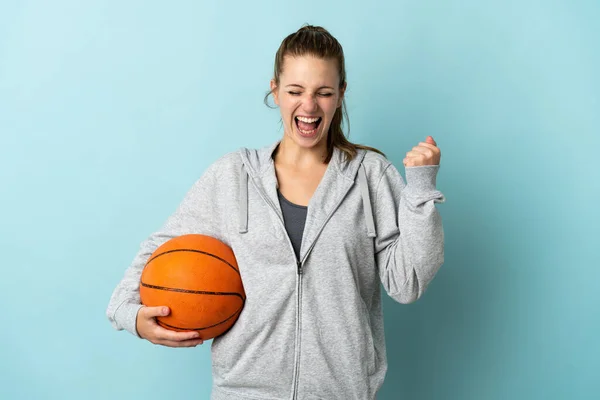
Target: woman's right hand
{"type": "Point", "coordinates": [149, 329]}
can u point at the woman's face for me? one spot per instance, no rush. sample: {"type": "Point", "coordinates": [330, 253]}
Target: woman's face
{"type": "Point", "coordinates": [308, 96]}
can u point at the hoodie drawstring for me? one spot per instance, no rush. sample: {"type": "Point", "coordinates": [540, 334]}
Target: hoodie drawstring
{"type": "Point", "coordinates": [364, 190]}
{"type": "Point", "coordinates": [243, 200]}
{"type": "Point", "coordinates": [362, 183]}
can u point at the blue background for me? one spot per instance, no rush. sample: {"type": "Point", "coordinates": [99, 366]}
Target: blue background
{"type": "Point", "coordinates": [110, 110]}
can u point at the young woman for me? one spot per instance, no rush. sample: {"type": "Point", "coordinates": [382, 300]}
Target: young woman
{"type": "Point", "coordinates": [317, 224]}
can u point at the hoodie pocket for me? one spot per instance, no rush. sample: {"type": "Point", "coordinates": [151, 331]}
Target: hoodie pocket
{"type": "Point", "coordinates": [250, 368]}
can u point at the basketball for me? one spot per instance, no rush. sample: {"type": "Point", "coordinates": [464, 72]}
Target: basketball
{"type": "Point", "coordinates": [198, 278]}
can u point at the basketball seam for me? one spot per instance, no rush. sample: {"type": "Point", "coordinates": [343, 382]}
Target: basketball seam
{"type": "Point", "coordinates": [206, 327]}
{"type": "Point", "coordinates": [189, 291]}
{"type": "Point", "coordinates": [194, 251]}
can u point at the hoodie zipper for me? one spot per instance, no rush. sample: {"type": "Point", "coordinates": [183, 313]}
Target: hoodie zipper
{"type": "Point", "coordinates": [298, 330]}
{"type": "Point", "coordinates": [300, 272]}
{"type": "Point", "coordinates": [300, 264]}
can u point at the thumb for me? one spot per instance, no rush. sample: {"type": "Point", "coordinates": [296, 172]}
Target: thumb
{"type": "Point", "coordinates": [159, 311]}
{"type": "Point", "coordinates": [430, 140]}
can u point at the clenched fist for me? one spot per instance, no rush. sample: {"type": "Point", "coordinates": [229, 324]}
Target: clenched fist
{"type": "Point", "coordinates": [425, 153]}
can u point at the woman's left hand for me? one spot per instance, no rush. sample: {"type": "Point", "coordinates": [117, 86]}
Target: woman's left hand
{"type": "Point", "coordinates": [425, 153]}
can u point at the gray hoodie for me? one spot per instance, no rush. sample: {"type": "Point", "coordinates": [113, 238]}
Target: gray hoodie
{"type": "Point", "coordinates": [313, 328]}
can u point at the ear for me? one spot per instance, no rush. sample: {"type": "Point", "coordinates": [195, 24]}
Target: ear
{"type": "Point", "coordinates": [274, 91]}
{"type": "Point", "coordinates": [342, 93]}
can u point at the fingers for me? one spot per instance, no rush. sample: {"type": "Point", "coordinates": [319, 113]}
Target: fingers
{"type": "Point", "coordinates": [151, 312]}
{"type": "Point", "coordinates": [420, 151]}
{"type": "Point", "coordinates": [430, 140]}
{"type": "Point", "coordinates": [172, 336]}
{"type": "Point", "coordinates": [425, 145]}
{"type": "Point", "coordinates": [184, 343]}
{"type": "Point", "coordinates": [149, 329]}
{"type": "Point", "coordinates": [410, 162]}
{"type": "Point", "coordinates": [425, 153]}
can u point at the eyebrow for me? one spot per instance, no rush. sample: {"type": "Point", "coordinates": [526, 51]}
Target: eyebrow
{"type": "Point", "coordinates": [302, 87]}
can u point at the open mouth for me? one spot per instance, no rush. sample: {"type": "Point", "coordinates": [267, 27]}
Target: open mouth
{"type": "Point", "coordinates": [308, 126]}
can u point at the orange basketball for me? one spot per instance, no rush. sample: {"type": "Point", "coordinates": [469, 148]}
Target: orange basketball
{"type": "Point", "coordinates": [198, 278]}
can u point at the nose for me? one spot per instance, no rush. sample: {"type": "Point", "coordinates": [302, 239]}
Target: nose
{"type": "Point", "coordinates": [309, 104]}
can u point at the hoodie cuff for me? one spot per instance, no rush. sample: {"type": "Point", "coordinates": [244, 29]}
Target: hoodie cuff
{"type": "Point", "coordinates": [126, 316]}
{"type": "Point", "coordinates": [422, 178]}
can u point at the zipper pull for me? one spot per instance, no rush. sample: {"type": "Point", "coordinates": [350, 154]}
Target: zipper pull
{"type": "Point", "coordinates": [299, 263]}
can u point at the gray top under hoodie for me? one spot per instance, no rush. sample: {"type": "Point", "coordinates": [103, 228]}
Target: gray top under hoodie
{"type": "Point", "coordinates": [294, 218]}
{"type": "Point", "coordinates": [313, 328]}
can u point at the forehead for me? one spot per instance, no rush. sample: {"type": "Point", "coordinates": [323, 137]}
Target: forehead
{"type": "Point", "coordinates": [309, 71]}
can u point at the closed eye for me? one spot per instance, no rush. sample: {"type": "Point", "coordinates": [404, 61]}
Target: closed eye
{"type": "Point", "coordinates": [320, 94]}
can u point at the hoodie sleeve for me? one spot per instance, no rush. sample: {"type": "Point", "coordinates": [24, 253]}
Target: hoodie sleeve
{"type": "Point", "coordinates": [197, 213]}
{"type": "Point", "coordinates": [410, 238]}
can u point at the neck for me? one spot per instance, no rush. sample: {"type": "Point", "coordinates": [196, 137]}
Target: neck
{"type": "Point", "coordinates": [289, 153]}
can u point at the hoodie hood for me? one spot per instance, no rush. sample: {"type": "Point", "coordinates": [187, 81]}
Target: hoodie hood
{"type": "Point", "coordinates": [258, 167]}
{"type": "Point", "coordinates": [259, 161]}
